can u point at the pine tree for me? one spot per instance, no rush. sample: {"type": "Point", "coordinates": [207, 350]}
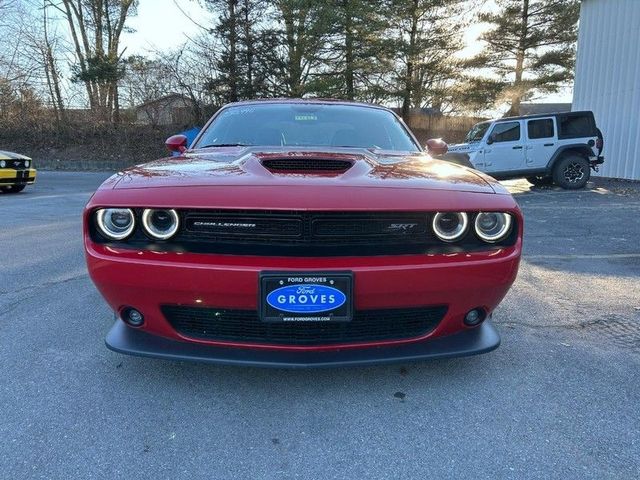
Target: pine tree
{"type": "Point", "coordinates": [240, 63]}
{"type": "Point", "coordinates": [357, 54]}
{"type": "Point", "coordinates": [427, 34]}
{"type": "Point", "coordinates": [531, 46]}
{"type": "Point", "coordinates": [304, 27]}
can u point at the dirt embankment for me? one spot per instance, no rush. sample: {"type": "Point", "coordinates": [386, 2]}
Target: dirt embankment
{"type": "Point", "coordinates": [87, 147]}
{"type": "Point", "coordinates": [105, 147]}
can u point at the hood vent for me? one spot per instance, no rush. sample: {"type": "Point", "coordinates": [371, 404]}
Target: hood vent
{"type": "Point", "coordinates": [307, 165]}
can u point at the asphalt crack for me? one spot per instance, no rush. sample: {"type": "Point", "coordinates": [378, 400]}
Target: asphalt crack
{"type": "Point", "coordinates": [622, 331]}
{"type": "Point", "coordinates": [50, 283]}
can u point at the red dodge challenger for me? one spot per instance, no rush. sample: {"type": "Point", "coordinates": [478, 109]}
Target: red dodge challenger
{"type": "Point", "coordinates": [302, 233]}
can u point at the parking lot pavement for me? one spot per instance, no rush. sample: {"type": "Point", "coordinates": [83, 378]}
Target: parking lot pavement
{"type": "Point", "coordinates": [558, 399]}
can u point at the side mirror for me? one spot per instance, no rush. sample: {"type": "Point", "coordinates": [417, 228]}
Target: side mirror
{"type": "Point", "coordinates": [491, 139]}
{"type": "Point", "coordinates": [436, 147]}
{"type": "Point", "coordinates": [176, 143]}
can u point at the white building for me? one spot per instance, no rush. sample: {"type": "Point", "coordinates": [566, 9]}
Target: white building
{"type": "Point", "coordinates": [608, 80]}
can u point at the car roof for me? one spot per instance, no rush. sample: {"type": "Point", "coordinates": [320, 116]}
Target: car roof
{"type": "Point", "coordinates": [319, 101]}
{"type": "Point", "coordinates": [544, 115]}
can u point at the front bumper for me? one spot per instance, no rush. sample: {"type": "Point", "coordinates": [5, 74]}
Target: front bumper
{"type": "Point", "coordinates": [11, 176]}
{"type": "Point", "coordinates": [130, 341]}
{"type": "Point", "coordinates": [146, 280]}
{"type": "Point", "coordinates": [595, 161]}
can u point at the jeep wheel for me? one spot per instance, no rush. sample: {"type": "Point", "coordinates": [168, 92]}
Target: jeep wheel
{"type": "Point", "coordinates": [540, 180]}
{"type": "Point", "coordinates": [571, 172]}
{"type": "Point", "coordinates": [13, 188]}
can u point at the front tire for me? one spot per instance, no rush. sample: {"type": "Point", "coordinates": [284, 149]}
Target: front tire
{"type": "Point", "coordinates": [13, 188]}
{"type": "Point", "coordinates": [571, 172]}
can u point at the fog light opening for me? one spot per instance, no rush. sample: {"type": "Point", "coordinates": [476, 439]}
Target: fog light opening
{"type": "Point", "coordinates": [475, 317]}
{"type": "Point", "coordinates": [132, 317]}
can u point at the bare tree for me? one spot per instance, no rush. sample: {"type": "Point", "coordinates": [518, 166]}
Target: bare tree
{"type": "Point", "coordinates": [40, 48]}
{"type": "Point", "coordinates": [95, 27]}
{"type": "Point", "coordinates": [146, 79]}
{"type": "Point", "coordinates": [19, 75]}
{"type": "Point", "coordinates": [191, 68]}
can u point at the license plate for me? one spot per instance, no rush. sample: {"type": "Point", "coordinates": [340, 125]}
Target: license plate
{"type": "Point", "coordinates": [306, 297]}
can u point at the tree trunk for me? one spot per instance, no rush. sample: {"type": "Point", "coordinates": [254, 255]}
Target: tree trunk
{"type": "Point", "coordinates": [410, 70]}
{"type": "Point", "coordinates": [250, 90]}
{"type": "Point", "coordinates": [51, 71]}
{"type": "Point", "coordinates": [294, 70]}
{"type": "Point", "coordinates": [116, 105]}
{"type": "Point", "coordinates": [516, 98]}
{"type": "Point", "coordinates": [233, 45]}
{"type": "Point", "coordinates": [71, 15]}
{"type": "Point", "coordinates": [348, 44]}
{"type": "Point", "coordinates": [51, 94]}
{"type": "Point", "coordinates": [55, 77]}
{"type": "Point", "coordinates": [53, 80]}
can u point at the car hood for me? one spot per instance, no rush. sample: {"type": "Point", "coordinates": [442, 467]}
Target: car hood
{"type": "Point", "coordinates": [244, 166]}
{"type": "Point", "coordinates": [4, 155]}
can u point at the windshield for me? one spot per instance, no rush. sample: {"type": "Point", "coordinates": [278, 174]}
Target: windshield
{"type": "Point", "coordinates": [307, 125]}
{"type": "Point", "coordinates": [477, 132]}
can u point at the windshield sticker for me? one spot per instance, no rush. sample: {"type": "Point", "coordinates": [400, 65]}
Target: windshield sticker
{"type": "Point", "coordinates": [306, 118]}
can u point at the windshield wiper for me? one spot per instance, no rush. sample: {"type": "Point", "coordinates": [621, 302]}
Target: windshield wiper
{"type": "Point", "coordinates": [226, 145]}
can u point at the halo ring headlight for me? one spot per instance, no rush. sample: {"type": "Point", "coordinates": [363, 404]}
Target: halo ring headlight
{"type": "Point", "coordinates": [450, 226]}
{"type": "Point", "coordinates": [160, 224]}
{"type": "Point", "coordinates": [493, 226]}
{"type": "Point", "coordinates": [115, 223]}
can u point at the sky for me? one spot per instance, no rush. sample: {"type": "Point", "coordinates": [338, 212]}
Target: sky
{"type": "Point", "coordinates": [161, 25]}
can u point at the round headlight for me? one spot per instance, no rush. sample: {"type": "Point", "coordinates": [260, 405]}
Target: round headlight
{"type": "Point", "coordinates": [493, 226]}
{"type": "Point", "coordinates": [26, 163]}
{"type": "Point", "coordinates": [3, 164]}
{"type": "Point", "coordinates": [160, 224]}
{"type": "Point", "coordinates": [450, 226]}
{"type": "Point", "coordinates": [115, 223]}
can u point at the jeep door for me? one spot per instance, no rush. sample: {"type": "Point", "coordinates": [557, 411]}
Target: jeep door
{"type": "Point", "coordinates": [504, 151]}
{"type": "Point", "coordinates": [541, 142]}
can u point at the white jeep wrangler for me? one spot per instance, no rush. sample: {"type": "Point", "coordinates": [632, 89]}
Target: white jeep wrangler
{"type": "Point", "coordinates": [559, 148]}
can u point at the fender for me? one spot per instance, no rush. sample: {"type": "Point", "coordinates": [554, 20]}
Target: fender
{"type": "Point", "coordinates": [581, 148]}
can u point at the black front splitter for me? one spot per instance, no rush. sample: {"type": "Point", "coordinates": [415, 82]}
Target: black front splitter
{"type": "Point", "coordinates": [124, 339]}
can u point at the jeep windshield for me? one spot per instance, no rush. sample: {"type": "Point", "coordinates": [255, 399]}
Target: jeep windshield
{"type": "Point", "coordinates": [477, 132]}
{"type": "Point", "coordinates": [307, 125]}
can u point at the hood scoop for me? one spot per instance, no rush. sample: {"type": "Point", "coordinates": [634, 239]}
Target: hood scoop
{"type": "Point", "coordinates": [306, 165]}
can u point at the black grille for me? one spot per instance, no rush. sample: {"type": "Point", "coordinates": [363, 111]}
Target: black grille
{"type": "Point", "coordinates": [15, 163]}
{"type": "Point", "coordinates": [319, 229]}
{"type": "Point", "coordinates": [207, 225]}
{"type": "Point", "coordinates": [245, 326]}
{"type": "Point", "coordinates": [307, 164]}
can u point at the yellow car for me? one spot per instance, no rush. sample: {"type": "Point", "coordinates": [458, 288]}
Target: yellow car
{"type": "Point", "coordinates": [16, 172]}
